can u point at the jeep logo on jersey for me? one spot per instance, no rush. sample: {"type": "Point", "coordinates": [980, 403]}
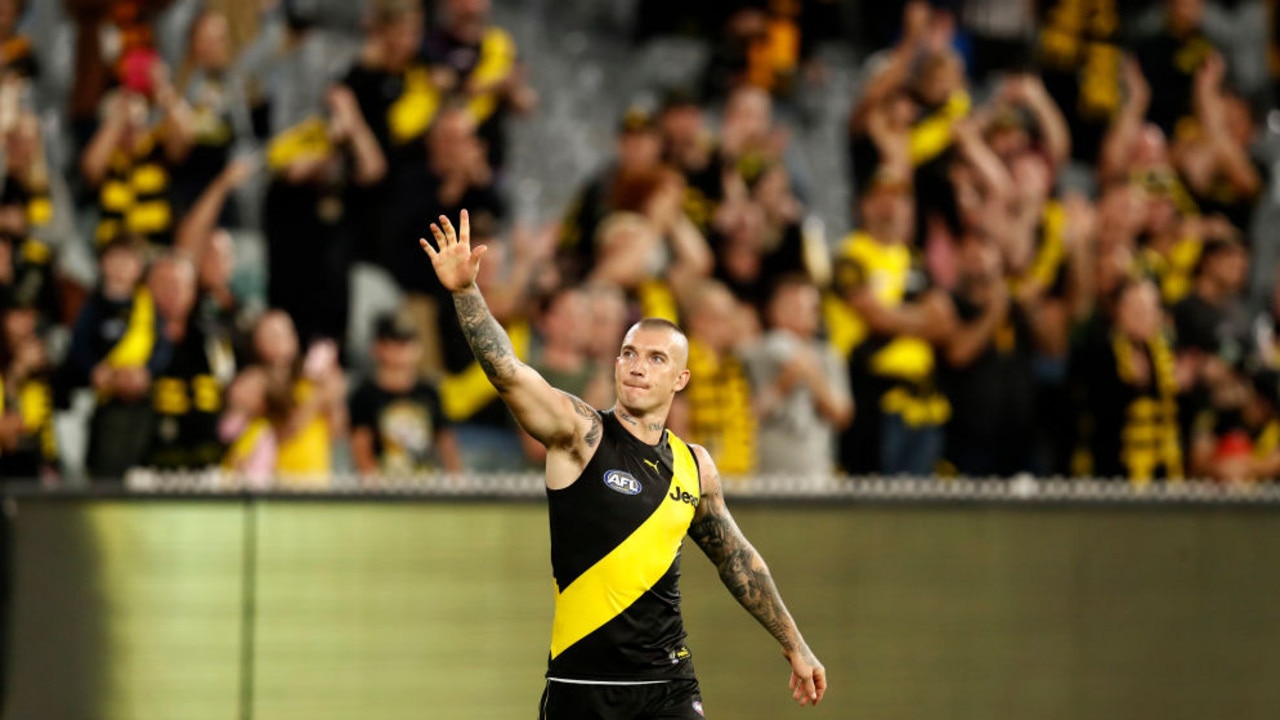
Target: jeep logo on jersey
{"type": "Point", "coordinates": [623, 482]}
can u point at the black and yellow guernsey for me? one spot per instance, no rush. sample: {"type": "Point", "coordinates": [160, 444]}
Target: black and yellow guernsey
{"type": "Point", "coordinates": [615, 553]}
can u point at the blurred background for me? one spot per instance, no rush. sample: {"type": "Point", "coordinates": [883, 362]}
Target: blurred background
{"type": "Point", "coordinates": [981, 298]}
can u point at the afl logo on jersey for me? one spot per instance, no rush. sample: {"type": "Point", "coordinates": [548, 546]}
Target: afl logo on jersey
{"type": "Point", "coordinates": [623, 482]}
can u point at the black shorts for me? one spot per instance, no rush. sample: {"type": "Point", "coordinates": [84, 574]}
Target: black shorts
{"type": "Point", "coordinates": [673, 700]}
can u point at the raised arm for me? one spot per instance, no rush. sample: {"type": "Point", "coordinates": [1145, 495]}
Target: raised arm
{"type": "Point", "coordinates": [554, 418]}
{"type": "Point", "coordinates": [747, 577]}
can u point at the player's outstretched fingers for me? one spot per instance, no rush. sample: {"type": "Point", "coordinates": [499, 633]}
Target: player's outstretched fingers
{"type": "Point", "coordinates": [464, 228]}
{"type": "Point", "coordinates": [448, 230]}
{"type": "Point", "coordinates": [442, 242]}
{"type": "Point", "coordinates": [426, 247]}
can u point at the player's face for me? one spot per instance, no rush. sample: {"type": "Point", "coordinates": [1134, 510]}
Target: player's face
{"type": "Point", "coordinates": [650, 369]}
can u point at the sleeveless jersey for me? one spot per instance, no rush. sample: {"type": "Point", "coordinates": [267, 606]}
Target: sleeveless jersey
{"type": "Point", "coordinates": [615, 553]}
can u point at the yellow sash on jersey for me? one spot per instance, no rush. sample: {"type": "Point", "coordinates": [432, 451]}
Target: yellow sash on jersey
{"type": "Point", "coordinates": [862, 260]}
{"type": "Point", "coordinates": [133, 350]}
{"type": "Point", "coordinates": [411, 114]}
{"type": "Point", "coordinates": [462, 394]}
{"type": "Point", "coordinates": [932, 135]}
{"type": "Point", "coordinates": [620, 578]}
{"type": "Point", "coordinates": [308, 140]}
{"type": "Point", "coordinates": [1052, 250]}
{"type": "Point", "coordinates": [497, 61]}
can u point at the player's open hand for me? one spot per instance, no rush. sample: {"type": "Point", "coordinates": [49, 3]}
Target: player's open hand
{"type": "Point", "coordinates": [455, 262]}
{"type": "Point", "coordinates": [808, 677]}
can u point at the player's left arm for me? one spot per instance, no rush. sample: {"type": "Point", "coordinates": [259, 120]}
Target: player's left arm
{"type": "Point", "coordinates": [747, 577]}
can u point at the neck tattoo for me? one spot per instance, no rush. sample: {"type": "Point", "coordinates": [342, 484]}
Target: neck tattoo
{"type": "Point", "coordinates": [655, 427]}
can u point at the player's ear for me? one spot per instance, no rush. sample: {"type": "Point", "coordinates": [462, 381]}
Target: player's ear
{"type": "Point", "coordinates": [682, 379]}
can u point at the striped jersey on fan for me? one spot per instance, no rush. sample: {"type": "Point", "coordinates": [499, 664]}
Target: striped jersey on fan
{"type": "Point", "coordinates": [615, 553]}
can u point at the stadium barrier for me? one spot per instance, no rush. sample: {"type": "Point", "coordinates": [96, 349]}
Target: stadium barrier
{"type": "Point", "coordinates": [198, 597]}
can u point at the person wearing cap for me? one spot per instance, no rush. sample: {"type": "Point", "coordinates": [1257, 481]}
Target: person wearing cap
{"type": "Point", "coordinates": [398, 427]}
{"type": "Point", "coordinates": [638, 150]}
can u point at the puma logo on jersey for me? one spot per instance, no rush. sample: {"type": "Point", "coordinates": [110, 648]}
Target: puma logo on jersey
{"type": "Point", "coordinates": [652, 464]}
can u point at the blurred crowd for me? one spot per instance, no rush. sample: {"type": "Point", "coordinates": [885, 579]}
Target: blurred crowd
{"type": "Point", "coordinates": [1053, 253]}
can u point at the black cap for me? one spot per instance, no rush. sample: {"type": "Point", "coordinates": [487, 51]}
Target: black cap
{"type": "Point", "coordinates": [390, 326]}
{"type": "Point", "coordinates": [637, 120]}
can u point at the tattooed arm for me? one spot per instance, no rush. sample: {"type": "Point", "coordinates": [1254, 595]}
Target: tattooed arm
{"type": "Point", "coordinates": [554, 418]}
{"type": "Point", "coordinates": [745, 573]}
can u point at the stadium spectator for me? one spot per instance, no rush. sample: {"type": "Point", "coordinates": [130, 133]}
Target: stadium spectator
{"type": "Point", "coordinates": [1170, 60]}
{"type": "Point", "coordinates": [27, 268]}
{"type": "Point", "coordinates": [27, 178]}
{"type": "Point", "coordinates": [1130, 390]}
{"type": "Point", "coordinates": [761, 239]}
{"type": "Point", "coordinates": [219, 309]}
{"type": "Point", "coordinates": [398, 427]}
{"type": "Point", "coordinates": [649, 247]}
{"type": "Point", "coordinates": [760, 46]}
{"type": "Point", "coordinates": [215, 92]}
{"type": "Point", "coordinates": [610, 318]}
{"type": "Point", "coordinates": [1212, 152]}
{"type": "Point", "coordinates": [305, 215]}
{"type": "Point", "coordinates": [117, 347]}
{"type": "Point", "coordinates": [99, 65]}
{"type": "Point", "coordinates": [884, 318]}
{"type": "Point", "coordinates": [987, 371]}
{"type": "Point", "coordinates": [186, 395]}
{"type": "Point", "coordinates": [1210, 329]}
{"type": "Point", "coordinates": [285, 412]}
{"type": "Point", "coordinates": [130, 159]}
{"type": "Point", "coordinates": [639, 150]}
{"type": "Point", "coordinates": [28, 445]}
{"type": "Point", "coordinates": [689, 146]}
{"type": "Point", "coordinates": [479, 63]}
{"type": "Point", "coordinates": [715, 409]}
{"type": "Point", "coordinates": [800, 384]}
{"type": "Point", "coordinates": [1079, 57]}
{"type": "Point", "coordinates": [399, 100]}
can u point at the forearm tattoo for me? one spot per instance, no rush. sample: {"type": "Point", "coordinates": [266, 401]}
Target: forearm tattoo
{"type": "Point", "coordinates": [744, 572]}
{"type": "Point", "coordinates": [488, 341]}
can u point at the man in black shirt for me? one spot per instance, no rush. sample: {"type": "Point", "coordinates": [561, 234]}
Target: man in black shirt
{"type": "Point", "coordinates": [987, 371]}
{"type": "Point", "coordinates": [397, 424]}
{"type": "Point", "coordinates": [1170, 60]}
{"type": "Point", "coordinates": [1210, 338]}
{"type": "Point", "coordinates": [186, 396]}
{"type": "Point", "coordinates": [622, 492]}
